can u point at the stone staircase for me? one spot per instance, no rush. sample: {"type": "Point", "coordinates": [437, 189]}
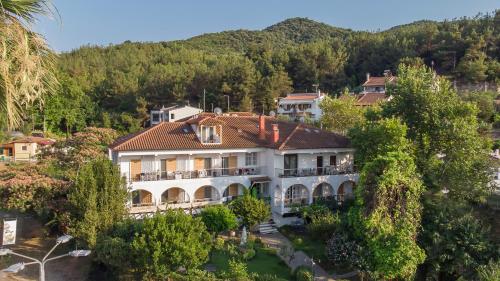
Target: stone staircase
{"type": "Point", "coordinates": [267, 228]}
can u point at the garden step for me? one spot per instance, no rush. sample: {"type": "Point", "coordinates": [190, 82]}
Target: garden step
{"type": "Point", "coordinates": [267, 228]}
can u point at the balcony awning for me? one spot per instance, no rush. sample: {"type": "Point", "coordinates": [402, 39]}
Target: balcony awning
{"type": "Point", "coordinates": [260, 180]}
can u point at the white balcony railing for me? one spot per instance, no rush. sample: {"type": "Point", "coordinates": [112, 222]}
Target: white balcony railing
{"type": "Point", "coordinates": [309, 172]}
{"type": "Point", "coordinates": [197, 174]}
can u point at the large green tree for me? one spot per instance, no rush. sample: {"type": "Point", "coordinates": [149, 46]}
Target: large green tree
{"type": "Point", "coordinates": [219, 218]}
{"type": "Point", "coordinates": [451, 154]}
{"type": "Point", "coordinates": [341, 114]}
{"type": "Point", "coordinates": [170, 241]}
{"type": "Point", "coordinates": [97, 199]}
{"type": "Point", "coordinates": [386, 215]}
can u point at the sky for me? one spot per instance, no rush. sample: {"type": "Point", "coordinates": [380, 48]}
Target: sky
{"type": "Point", "coordinates": [104, 22]}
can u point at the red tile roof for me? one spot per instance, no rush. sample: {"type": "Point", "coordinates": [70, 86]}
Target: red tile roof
{"type": "Point", "coordinates": [371, 99]}
{"type": "Point", "coordinates": [379, 81]}
{"type": "Point", "coordinates": [301, 96]}
{"type": "Point", "coordinates": [237, 132]}
{"type": "Point", "coordinates": [38, 140]}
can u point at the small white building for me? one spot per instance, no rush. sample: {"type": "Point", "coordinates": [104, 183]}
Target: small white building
{"type": "Point", "coordinates": [377, 84]}
{"type": "Point", "coordinates": [173, 114]}
{"type": "Point", "coordinates": [211, 159]}
{"type": "Point", "coordinates": [300, 105]}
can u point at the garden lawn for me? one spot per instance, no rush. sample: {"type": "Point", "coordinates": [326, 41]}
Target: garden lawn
{"type": "Point", "coordinates": [314, 248]}
{"type": "Point", "coordinates": [265, 262]}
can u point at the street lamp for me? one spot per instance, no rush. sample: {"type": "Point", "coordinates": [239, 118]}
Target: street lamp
{"type": "Point", "coordinates": [15, 268]}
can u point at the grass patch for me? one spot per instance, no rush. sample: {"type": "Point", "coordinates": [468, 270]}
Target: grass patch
{"type": "Point", "coordinates": [314, 248]}
{"type": "Point", "coordinates": [265, 262]}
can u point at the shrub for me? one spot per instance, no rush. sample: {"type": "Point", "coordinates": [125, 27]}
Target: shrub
{"type": "Point", "coordinates": [303, 273]}
{"type": "Point", "coordinates": [248, 254]}
{"type": "Point", "coordinates": [297, 241]}
{"type": "Point", "coordinates": [219, 243]}
{"type": "Point", "coordinates": [322, 227]}
{"type": "Point", "coordinates": [251, 210]}
{"type": "Point", "coordinates": [218, 219]}
{"type": "Point", "coordinates": [340, 250]}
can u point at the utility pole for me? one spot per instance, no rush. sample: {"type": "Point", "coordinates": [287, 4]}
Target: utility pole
{"type": "Point", "coordinates": [227, 102]}
{"type": "Point", "coordinates": [204, 94]}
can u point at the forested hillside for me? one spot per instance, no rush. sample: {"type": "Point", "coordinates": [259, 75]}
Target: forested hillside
{"type": "Point", "coordinates": [114, 86]}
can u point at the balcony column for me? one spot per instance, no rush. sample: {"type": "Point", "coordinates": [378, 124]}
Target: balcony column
{"type": "Point", "coordinates": [310, 195]}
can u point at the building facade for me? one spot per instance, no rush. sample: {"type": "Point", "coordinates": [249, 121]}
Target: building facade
{"type": "Point", "coordinates": [298, 106]}
{"type": "Point", "coordinates": [212, 159]}
{"type": "Point", "coordinates": [24, 149]}
{"type": "Point", "coordinates": [172, 114]}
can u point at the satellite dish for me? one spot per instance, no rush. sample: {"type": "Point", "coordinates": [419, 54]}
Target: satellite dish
{"type": "Point", "coordinates": [272, 113]}
{"type": "Point", "coordinates": [218, 111]}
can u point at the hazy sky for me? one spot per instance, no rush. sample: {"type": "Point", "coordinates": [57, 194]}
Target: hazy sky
{"type": "Point", "coordinates": [103, 22]}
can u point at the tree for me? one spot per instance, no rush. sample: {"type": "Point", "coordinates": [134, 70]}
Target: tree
{"type": "Point", "coordinates": [374, 138]}
{"type": "Point", "coordinates": [26, 62]}
{"type": "Point", "coordinates": [386, 215]}
{"type": "Point", "coordinates": [97, 199]}
{"type": "Point", "coordinates": [438, 123]}
{"type": "Point", "coordinates": [455, 241]}
{"type": "Point", "coordinates": [170, 241]}
{"type": "Point", "coordinates": [246, 104]}
{"type": "Point", "coordinates": [251, 210]}
{"type": "Point", "coordinates": [218, 219]}
{"type": "Point", "coordinates": [339, 115]}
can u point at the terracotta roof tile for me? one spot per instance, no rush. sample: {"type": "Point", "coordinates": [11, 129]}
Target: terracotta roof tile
{"type": "Point", "coordinates": [301, 96]}
{"type": "Point", "coordinates": [371, 98]}
{"type": "Point", "coordinates": [379, 81]}
{"type": "Point", "coordinates": [237, 132]}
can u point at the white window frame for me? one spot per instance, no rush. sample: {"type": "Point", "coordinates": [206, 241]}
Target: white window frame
{"type": "Point", "coordinates": [251, 159]}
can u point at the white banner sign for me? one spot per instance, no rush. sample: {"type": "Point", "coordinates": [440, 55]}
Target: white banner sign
{"type": "Point", "coordinates": [9, 232]}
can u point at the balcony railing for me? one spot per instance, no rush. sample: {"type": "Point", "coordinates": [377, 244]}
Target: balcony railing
{"type": "Point", "coordinates": [197, 174]}
{"type": "Point", "coordinates": [309, 172]}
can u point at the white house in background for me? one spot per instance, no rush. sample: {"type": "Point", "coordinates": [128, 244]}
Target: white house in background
{"type": "Point", "coordinates": [211, 159]}
{"type": "Point", "coordinates": [377, 84]}
{"type": "Point", "coordinates": [300, 105]}
{"type": "Point", "coordinates": [172, 114]}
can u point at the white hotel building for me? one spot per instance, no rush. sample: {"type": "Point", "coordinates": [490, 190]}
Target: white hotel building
{"type": "Point", "coordinates": [211, 159]}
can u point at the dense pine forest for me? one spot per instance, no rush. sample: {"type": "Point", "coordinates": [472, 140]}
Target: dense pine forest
{"type": "Point", "coordinates": [115, 86]}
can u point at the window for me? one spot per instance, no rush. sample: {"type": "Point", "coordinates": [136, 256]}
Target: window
{"type": "Point", "coordinates": [24, 148]}
{"type": "Point", "coordinates": [208, 135]}
{"type": "Point", "coordinates": [172, 116]}
{"type": "Point", "coordinates": [156, 117]}
{"type": "Point", "coordinates": [333, 160]}
{"type": "Point", "coordinates": [251, 159]}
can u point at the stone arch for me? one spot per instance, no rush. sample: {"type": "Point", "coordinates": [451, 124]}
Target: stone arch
{"type": "Point", "coordinates": [233, 190]}
{"type": "Point", "coordinates": [174, 195]}
{"type": "Point", "coordinates": [206, 193]}
{"type": "Point", "coordinates": [296, 194]}
{"type": "Point", "coordinates": [346, 190]}
{"type": "Point", "coordinates": [323, 191]}
{"type": "Point", "coordinates": [141, 197]}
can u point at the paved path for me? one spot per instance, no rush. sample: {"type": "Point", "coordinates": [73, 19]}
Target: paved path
{"type": "Point", "coordinates": [278, 240]}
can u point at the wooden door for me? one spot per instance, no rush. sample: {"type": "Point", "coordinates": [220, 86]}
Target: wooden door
{"type": "Point", "coordinates": [171, 165]}
{"type": "Point", "coordinates": [233, 163]}
{"type": "Point", "coordinates": [135, 169]}
{"type": "Point", "coordinates": [199, 163]}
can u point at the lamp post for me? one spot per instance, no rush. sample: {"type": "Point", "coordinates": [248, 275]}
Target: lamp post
{"type": "Point", "coordinates": [15, 268]}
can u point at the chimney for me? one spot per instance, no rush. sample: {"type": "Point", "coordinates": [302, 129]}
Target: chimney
{"type": "Point", "coordinates": [275, 134]}
{"type": "Point", "coordinates": [367, 76]}
{"type": "Point", "coordinates": [262, 127]}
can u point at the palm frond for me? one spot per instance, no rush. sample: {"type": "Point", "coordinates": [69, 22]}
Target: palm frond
{"type": "Point", "coordinates": [27, 9]}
